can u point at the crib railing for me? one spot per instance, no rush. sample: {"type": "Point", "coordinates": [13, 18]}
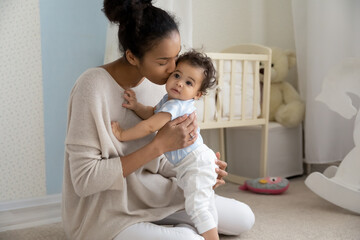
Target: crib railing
{"type": "Point", "coordinates": [220, 111]}
{"type": "Point", "coordinates": [230, 119]}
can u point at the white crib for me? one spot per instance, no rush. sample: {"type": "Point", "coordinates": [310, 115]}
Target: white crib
{"type": "Point", "coordinates": [239, 100]}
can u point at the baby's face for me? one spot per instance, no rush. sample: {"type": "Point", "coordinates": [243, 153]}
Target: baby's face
{"type": "Point", "coordinates": [185, 82]}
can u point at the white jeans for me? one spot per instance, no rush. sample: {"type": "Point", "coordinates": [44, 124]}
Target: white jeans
{"type": "Point", "coordinates": [234, 218]}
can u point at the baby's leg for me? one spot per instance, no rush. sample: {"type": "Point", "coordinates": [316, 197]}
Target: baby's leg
{"type": "Point", "coordinates": [196, 176]}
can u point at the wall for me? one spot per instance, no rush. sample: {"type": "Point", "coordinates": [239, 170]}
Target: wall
{"type": "Point", "coordinates": [231, 22]}
{"type": "Point", "coordinates": [22, 155]}
{"type": "Point", "coordinates": [72, 39]}
{"type": "Point", "coordinates": [44, 46]}
{"type": "Point", "coordinates": [221, 24]}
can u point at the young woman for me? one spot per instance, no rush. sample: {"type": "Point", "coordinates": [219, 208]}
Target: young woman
{"type": "Point", "coordinates": [125, 190]}
{"type": "Point", "coordinates": [194, 165]}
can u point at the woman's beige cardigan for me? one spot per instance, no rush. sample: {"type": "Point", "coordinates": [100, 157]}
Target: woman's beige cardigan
{"type": "Point", "coordinates": [98, 202]}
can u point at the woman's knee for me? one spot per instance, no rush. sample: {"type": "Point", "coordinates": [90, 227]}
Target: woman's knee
{"type": "Point", "coordinates": [245, 217]}
{"type": "Point", "coordinates": [151, 231]}
{"type": "Point", "coordinates": [234, 217]}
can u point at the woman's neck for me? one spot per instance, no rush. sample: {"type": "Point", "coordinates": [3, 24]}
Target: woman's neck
{"type": "Point", "coordinates": [125, 74]}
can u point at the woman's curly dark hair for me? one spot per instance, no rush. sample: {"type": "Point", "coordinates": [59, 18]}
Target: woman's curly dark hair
{"type": "Point", "coordinates": [198, 59]}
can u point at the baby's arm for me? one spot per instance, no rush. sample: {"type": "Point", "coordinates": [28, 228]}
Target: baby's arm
{"type": "Point", "coordinates": [143, 128]}
{"type": "Point", "coordinates": [141, 110]}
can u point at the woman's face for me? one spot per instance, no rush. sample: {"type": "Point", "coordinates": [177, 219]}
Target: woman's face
{"type": "Point", "coordinates": [158, 63]}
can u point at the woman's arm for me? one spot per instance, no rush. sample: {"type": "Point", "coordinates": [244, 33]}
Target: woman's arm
{"type": "Point", "coordinates": [142, 129]}
{"type": "Point", "coordinates": [174, 135]}
{"type": "Point", "coordinates": [93, 159]}
{"type": "Point", "coordinates": [221, 164]}
{"type": "Point", "coordinates": [91, 172]}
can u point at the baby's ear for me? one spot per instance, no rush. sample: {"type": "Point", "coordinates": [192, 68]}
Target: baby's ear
{"type": "Point", "coordinates": [198, 95]}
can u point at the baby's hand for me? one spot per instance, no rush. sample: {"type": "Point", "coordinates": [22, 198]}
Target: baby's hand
{"type": "Point", "coordinates": [117, 130]}
{"type": "Point", "coordinates": [130, 99]}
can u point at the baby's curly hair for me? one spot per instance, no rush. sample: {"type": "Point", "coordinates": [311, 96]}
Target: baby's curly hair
{"type": "Point", "coordinates": [198, 59]}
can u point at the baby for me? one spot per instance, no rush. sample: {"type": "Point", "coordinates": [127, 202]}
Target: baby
{"type": "Point", "coordinates": [194, 165]}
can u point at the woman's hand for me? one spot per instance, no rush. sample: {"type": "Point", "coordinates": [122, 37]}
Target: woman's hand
{"type": "Point", "coordinates": [220, 171]}
{"type": "Point", "coordinates": [176, 134]}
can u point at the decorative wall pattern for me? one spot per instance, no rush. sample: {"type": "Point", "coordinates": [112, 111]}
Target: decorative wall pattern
{"type": "Point", "coordinates": [22, 154]}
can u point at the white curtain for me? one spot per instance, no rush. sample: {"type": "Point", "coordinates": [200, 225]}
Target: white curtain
{"type": "Point", "coordinates": [183, 15]}
{"type": "Point", "coordinates": [327, 34]}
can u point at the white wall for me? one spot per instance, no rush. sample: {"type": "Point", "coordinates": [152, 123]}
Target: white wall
{"type": "Point", "coordinates": [221, 24]}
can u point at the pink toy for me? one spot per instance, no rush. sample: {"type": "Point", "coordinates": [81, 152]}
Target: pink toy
{"type": "Point", "coordinates": [267, 185]}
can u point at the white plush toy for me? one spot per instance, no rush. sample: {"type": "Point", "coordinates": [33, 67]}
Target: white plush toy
{"type": "Point", "coordinates": [286, 106]}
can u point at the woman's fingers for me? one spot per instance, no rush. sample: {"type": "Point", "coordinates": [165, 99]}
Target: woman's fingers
{"type": "Point", "coordinates": [178, 121]}
{"type": "Point", "coordinates": [219, 182]}
{"type": "Point", "coordinates": [189, 121]}
{"type": "Point", "coordinates": [222, 165]}
{"type": "Point", "coordinates": [217, 155]}
{"type": "Point", "coordinates": [220, 171]}
{"type": "Point", "coordinates": [191, 127]}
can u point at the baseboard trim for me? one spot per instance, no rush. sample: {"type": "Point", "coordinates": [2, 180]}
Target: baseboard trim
{"type": "Point", "coordinates": [30, 224]}
{"type": "Point", "coordinates": [31, 212]}
{"type": "Point", "coordinates": [30, 202]}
